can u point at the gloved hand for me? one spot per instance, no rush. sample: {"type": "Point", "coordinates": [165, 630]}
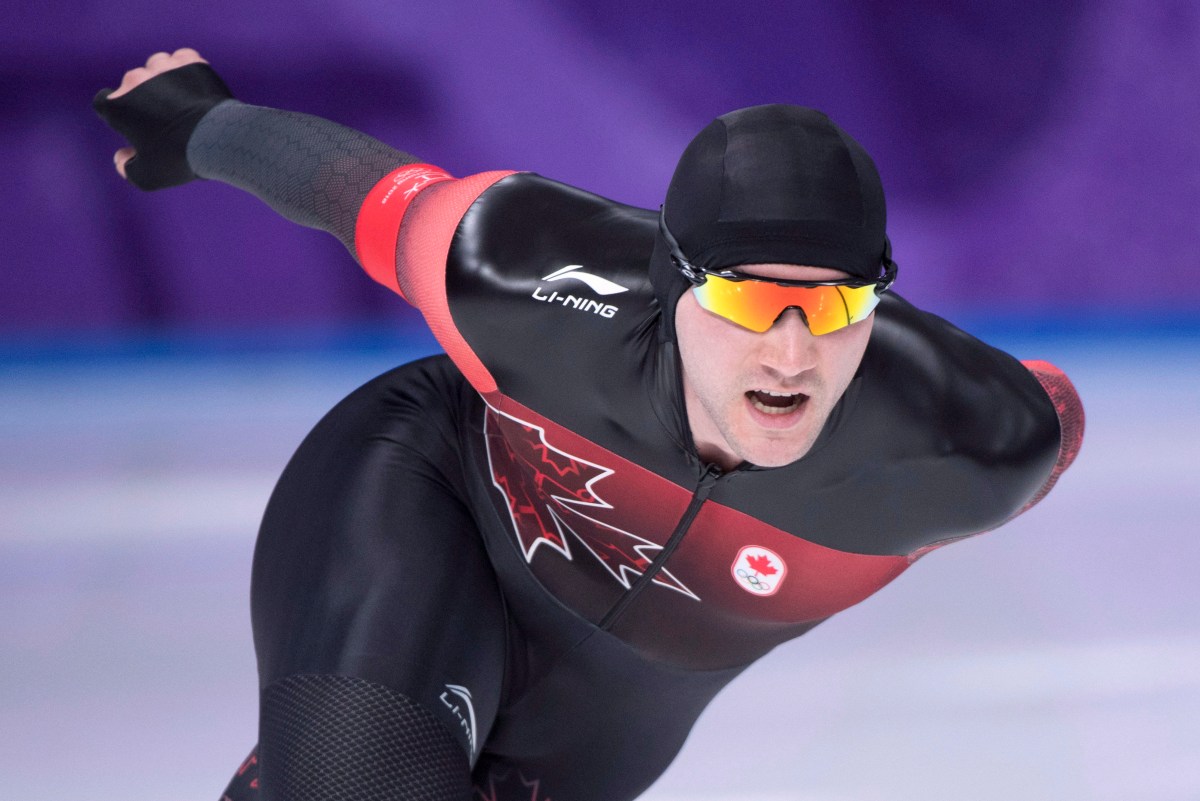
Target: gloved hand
{"type": "Point", "coordinates": [156, 108]}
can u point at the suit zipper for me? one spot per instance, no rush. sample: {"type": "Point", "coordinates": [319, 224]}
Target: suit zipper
{"type": "Point", "coordinates": [707, 480]}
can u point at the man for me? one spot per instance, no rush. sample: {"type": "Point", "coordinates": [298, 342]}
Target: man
{"type": "Point", "coordinates": [526, 568]}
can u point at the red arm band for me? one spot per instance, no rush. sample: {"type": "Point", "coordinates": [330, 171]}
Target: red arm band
{"type": "Point", "coordinates": [378, 224]}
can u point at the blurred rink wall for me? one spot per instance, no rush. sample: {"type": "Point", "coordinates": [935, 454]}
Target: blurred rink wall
{"type": "Point", "coordinates": [161, 355]}
{"type": "Point", "coordinates": [1040, 159]}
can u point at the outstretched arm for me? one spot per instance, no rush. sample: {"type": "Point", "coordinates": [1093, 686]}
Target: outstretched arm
{"type": "Point", "coordinates": [182, 123]}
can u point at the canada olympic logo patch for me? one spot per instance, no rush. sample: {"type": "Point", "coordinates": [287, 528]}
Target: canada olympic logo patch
{"type": "Point", "coordinates": [758, 571]}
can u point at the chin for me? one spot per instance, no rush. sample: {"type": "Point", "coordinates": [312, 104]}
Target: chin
{"type": "Point", "coordinates": [775, 454]}
{"type": "Point", "coordinates": [776, 462]}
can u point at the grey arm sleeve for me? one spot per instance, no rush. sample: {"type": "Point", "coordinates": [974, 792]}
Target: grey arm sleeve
{"type": "Point", "coordinates": [310, 170]}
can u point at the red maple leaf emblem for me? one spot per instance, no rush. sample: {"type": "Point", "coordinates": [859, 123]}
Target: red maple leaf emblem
{"type": "Point", "coordinates": [762, 565]}
{"type": "Point", "coordinates": [547, 489]}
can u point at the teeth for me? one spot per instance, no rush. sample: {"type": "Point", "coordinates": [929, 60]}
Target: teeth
{"type": "Point", "coordinates": [794, 401]}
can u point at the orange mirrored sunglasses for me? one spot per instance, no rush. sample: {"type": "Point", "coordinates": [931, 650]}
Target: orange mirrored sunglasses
{"type": "Point", "coordinates": [756, 303]}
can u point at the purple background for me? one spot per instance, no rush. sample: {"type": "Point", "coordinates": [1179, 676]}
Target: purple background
{"type": "Point", "coordinates": [1034, 154]}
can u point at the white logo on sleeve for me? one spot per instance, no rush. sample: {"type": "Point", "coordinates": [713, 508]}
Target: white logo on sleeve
{"type": "Point", "coordinates": [598, 285]}
{"type": "Point", "coordinates": [601, 286]}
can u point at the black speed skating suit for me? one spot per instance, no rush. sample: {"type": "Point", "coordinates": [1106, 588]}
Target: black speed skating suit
{"type": "Point", "coordinates": [517, 543]}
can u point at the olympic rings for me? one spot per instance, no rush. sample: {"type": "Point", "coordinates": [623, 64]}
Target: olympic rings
{"type": "Point", "coordinates": [753, 579]}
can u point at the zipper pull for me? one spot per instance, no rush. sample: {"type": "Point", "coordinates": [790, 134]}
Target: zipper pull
{"type": "Point", "coordinates": [709, 477]}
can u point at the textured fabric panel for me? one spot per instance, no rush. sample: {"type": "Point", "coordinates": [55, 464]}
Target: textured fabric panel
{"type": "Point", "coordinates": [1070, 420]}
{"type": "Point", "coordinates": [337, 738]}
{"type": "Point", "coordinates": [310, 170]}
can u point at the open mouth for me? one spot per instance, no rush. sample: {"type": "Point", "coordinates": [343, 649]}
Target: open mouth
{"type": "Point", "coordinates": [769, 402]}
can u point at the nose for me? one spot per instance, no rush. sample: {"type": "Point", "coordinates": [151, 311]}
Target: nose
{"type": "Point", "coordinates": [788, 347]}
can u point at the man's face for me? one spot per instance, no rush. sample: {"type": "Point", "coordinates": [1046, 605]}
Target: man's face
{"type": "Point", "coordinates": [763, 398]}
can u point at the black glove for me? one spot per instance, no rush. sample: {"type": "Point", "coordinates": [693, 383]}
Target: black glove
{"type": "Point", "coordinates": [158, 117]}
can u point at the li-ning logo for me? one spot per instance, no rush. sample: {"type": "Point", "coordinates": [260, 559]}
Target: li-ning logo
{"type": "Point", "coordinates": [758, 571]}
{"type": "Point", "coordinates": [451, 697]}
{"type": "Point", "coordinates": [599, 285]}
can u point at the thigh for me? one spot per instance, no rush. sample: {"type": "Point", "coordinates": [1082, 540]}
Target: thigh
{"type": "Point", "coordinates": [370, 580]}
{"type": "Point", "coordinates": [601, 725]}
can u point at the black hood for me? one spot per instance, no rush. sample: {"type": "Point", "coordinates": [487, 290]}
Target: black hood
{"type": "Point", "coordinates": [774, 184]}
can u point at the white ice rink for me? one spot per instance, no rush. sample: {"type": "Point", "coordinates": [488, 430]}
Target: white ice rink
{"type": "Point", "coordinates": [1055, 659]}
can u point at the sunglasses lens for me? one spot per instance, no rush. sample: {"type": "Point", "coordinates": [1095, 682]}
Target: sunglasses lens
{"type": "Point", "coordinates": [838, 306]}
{"type": "Point", "coordinates": [738, 301]}
{"type": "Point", "coordinates": [757, 304]}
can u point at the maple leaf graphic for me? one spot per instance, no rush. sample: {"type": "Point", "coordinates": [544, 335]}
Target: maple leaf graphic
{"type": "Point", "coordinates": [762, 565]}
{"type": "Point", "coordinates": [548, 490]}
